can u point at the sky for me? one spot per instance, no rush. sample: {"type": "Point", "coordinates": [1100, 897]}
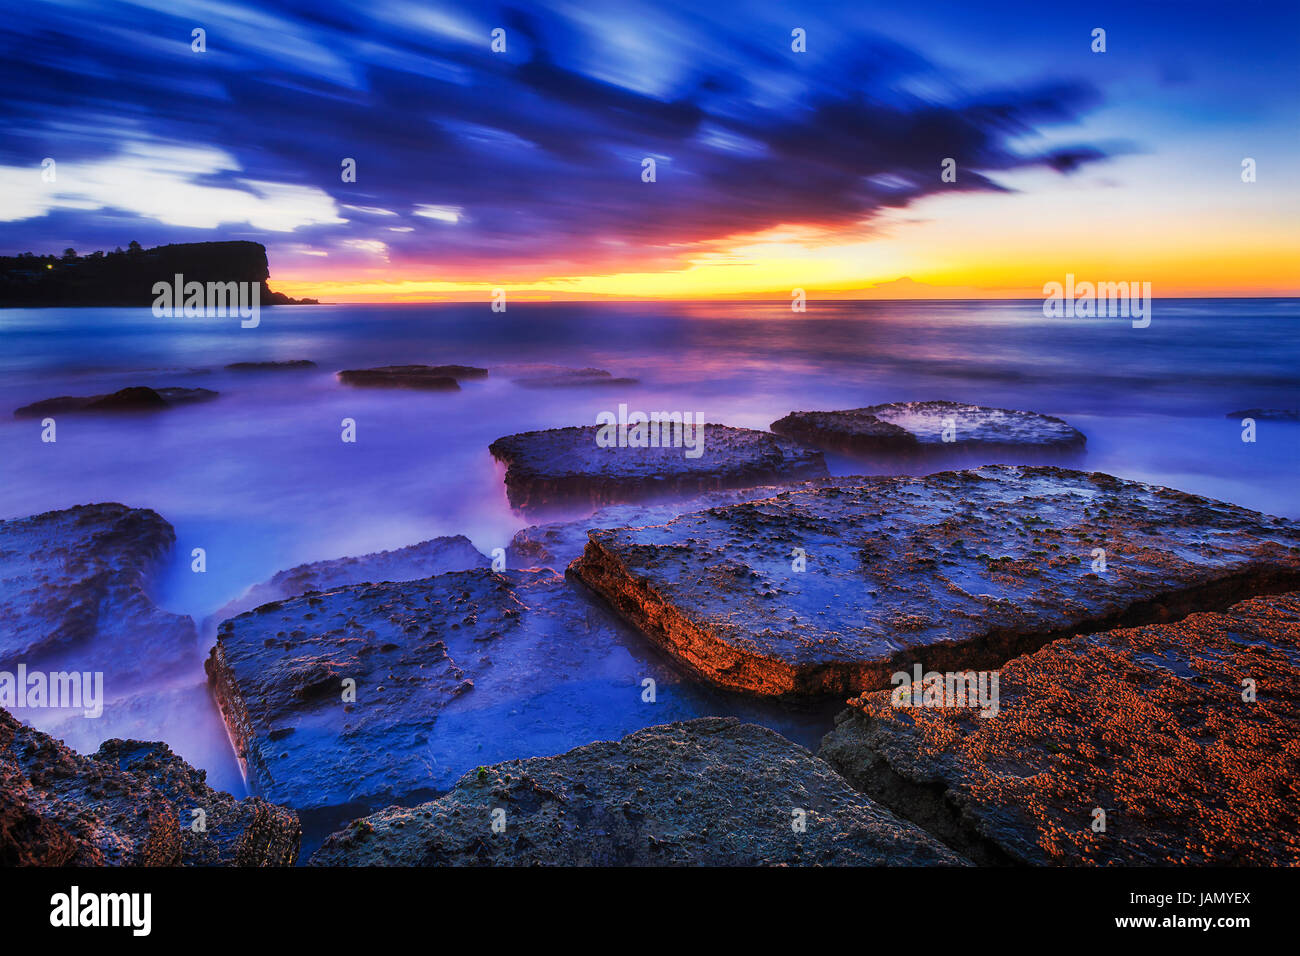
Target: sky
{"type": "Point", "coordinates": [774, 169]}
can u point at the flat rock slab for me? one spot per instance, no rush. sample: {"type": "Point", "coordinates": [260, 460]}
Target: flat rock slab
{"type": "Point", "coordinates": [130, 804]}
{"type": "Point", "coordinates": [425, 377]}
{"type": "Point", "coordinates": [422, 560]}
{"type": "Point", "coordinates": [72, 593]}
{"type": "Point", "coordinates": [708, 792]}
{"type": "Point", "coordinates": [956, 570]}
{"type": "Point", "coordinates": [911, 429]}
{"type": "Point", "coordinates": [285, 366]}
{"type": "Point", "coordinates": [566, 466]}
{"type": "Point", "coordinates": [1146, 724]}
{"type": "Point", "coordinates": [556, 544]}
{"type": "Point", "coordinates": [454, 671]}
{"type": "Point", "coordinates": [137, 398]}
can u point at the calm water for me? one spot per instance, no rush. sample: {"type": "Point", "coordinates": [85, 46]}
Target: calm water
{"type": "Point", "coordinates": [261, 480]}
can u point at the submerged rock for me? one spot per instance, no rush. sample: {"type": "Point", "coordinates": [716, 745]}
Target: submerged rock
{"type": "Point", "coordinates": [1267, 414]}
{"type": "Point", "coordinates": [72, 591]}
{"type": "Point", "coordinates": [708, 792]}
{"type": "Point", "coordinates": [130, 804]}
{"type": "Point", "coordinates": [1149, 725]}
{"type": "Point", "coordinates": [566, 465]}
{"type": "Point", "coordinates": [422, 560]}
{"type": "Point", "coordinates": [85, 654]}
{"type": "Point", "coordinates": [453, 671]}
{"type": "Point", "coordinates": [428, 377]}
{"type": "Point", "coordinates": [134, 399]}
{"type": "Point", "coordinates": [931, 428]}
{"type": "Point", "coordinates": [288, 365]}
{"type": "Point", "coordinates": [556, 376]}
{"type": "Point", "coordinates": [955, 570]}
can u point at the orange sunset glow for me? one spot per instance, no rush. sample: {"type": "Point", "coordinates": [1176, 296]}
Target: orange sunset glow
{"type": "Point", "coordinates": [964, 247]}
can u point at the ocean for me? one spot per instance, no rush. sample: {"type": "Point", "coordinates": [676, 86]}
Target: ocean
{"type": "Point", "coordinates": [260, 479]}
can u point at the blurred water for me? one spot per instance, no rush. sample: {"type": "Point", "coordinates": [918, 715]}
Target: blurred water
{"type": "Point", "coordinates": [260, 478]}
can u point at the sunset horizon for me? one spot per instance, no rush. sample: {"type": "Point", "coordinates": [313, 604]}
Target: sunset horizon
{"type": "Point", "coordinates": [666, 153]}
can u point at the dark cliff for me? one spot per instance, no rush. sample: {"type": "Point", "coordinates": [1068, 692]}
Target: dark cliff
{"type": "Point", "coordinates": [127, 278]}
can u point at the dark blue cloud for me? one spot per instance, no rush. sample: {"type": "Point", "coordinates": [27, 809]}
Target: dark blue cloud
{"type": "Point", "coordinates": [539, 148]}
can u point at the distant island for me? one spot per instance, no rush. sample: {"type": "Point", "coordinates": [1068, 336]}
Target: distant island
{"type": "Point", "coordinates": [126, 277]}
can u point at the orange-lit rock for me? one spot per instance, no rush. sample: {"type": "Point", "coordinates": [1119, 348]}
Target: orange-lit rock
{"type": "Point", "coordinates": [1147, 723]}
{"type": "Point", "coordinates": [956, 570]}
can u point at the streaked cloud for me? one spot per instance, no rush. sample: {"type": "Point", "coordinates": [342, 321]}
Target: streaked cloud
{"type": "Point", "coordinates": [441, 213]}
{"type": "Point", "coordinates": [535, 154]}
{"type": "Point", "coordinates": [162, 182]}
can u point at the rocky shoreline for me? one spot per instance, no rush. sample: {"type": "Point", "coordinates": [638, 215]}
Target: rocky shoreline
{"type": "Point", "coordinates": [129, 804]}
{"type": "Point", "coordinates": [596, 696]}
